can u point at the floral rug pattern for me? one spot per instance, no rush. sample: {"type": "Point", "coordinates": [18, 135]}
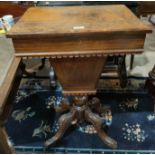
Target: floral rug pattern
{"type": "Point", "coordinates": [33, 120]}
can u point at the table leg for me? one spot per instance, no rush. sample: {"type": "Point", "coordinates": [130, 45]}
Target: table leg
{"type": "Point", "coordinates": [122, 71]}
{"type": "Point", "coordinates": [5, 145]}
{"type": "Point", "coordinates": [64, 122]}
{"type": "Point", "coordinates": [131, 61]}
{"type": "Point", "coordinates": [81, 111]}
{"type": "Point", "coordinates": [97, 122]}
{"type": "Point", "coordinates": [42, 64]}
{"type": "Point", "coordinates": [151, 84]}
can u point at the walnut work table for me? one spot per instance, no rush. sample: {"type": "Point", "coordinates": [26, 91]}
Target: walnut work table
{"type": "Point", "coordinates": [77, 41]}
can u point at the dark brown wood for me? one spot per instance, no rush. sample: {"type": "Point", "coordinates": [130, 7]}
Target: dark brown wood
{"type": "Point", "coordinates": [80, 44]}
{"type": "Point", "coordinates": [80, 111]}
{"type": "Point", "coordinates": [85, 29]}
{"type": "Point", "coordinates": [150, 84]}
{"type": "Point", "coordinates": [11, 8]}
{"type": "Point", "coordinates": [5, 146]}
{"type": "Point", "coordinates": [78, 75]}
{"type": "Point", "coordinates": [131, 61]}
{"type": "Point", "coordinates": [146, 8]}
{"type": "Point", "coordinates": [46, 21]}
{"type": "Point", "coordinates": [8, 90]}
{"type": "Point", "coordinates": [122, 71]}
{"type": "Point", "coordinates": [77, 41]}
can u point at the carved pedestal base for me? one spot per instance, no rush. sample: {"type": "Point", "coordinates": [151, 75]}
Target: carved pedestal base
{"type": "Point", "coordinates": [81, 110]}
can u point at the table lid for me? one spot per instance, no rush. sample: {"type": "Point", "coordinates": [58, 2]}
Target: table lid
{"type": "Point", "coordinates": [77, 20]}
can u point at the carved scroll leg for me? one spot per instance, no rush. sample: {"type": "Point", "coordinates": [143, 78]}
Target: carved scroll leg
{"type": "Point", "coordinates": [64, 106]}
{"type": "Point", "coordinates": [64, 122]}
{"type": "Point", "coordinates": [5, 145]}
{"type": "Point", "coordinates": [96, 120]}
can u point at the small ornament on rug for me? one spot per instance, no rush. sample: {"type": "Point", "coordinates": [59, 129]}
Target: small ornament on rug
{"type": "Point", "coordinates": [129, 104]}
{"type": "Point", "coordinates": [43, 129]}
{"type": "Point", "coordinates": [151, 117]}
{"type": "Point", "coordinates": [53, 101]}
{"type": "Point", "coordinates": [55, 127]}
{"type": "Point", "coordinates": [21, 115]}
{"type": "Point", "coordinates": [21, 94]}
{"type": "Point", "coordinates": [89, 129]}
{"type": "Point", "coordinates": [107, 119]}
{"type": "Point", "coordinates": [134, 133]}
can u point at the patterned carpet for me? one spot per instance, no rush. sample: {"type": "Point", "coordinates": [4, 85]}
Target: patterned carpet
{"type": "Point", "coordinates": [130, 122]}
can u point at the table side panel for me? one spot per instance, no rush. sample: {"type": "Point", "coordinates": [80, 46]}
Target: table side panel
{"type": "Point", "coordinates": [64, 45]}
{"type": "Point", "coordinates": [78, 74]}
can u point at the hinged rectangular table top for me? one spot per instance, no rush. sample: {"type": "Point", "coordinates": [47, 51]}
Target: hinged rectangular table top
{"type": "Point", "coordinates": [55, 30]}
{"type": "Point", "coordinates": [70, 20]}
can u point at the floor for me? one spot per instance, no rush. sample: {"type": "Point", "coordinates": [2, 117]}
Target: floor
{"type": "Point", "coordinates": [128, 112]}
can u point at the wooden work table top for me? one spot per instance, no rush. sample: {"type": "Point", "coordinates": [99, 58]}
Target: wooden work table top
{"type": "Point", "coordinates": [78, 31]}
{"type": "Point", "coordinates": [57, 21]}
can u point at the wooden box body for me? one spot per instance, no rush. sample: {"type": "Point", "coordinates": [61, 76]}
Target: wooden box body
{"type": "Point", "coordinates": [60, 31]}
{"type": "Point", "coordinates": [77, 40]}
{"type": "Point", "coordinates": [78, 75]}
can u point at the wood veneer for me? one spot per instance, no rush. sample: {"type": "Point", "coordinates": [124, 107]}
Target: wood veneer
{"type": "Point", "coordinates": [60, 30]}
{"type": "Point", "coordinates": [77, 41]}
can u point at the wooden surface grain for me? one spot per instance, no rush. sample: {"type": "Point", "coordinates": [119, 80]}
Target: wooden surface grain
{"type": "Point", "coordinates": [77, 20]}
{"type": "Point", "coordinates": [5, 145]}
{"type": "Point", "coordinates": [146, 8]}
{"type": "Point", "coordinates": [7, 7]}
{"type": "Point", "coordinates": [80, 44]}
{"type": "Point", "coordinates": [8, 89]}
{"type": "Point", "coordinates": [78, 30]}
{"type": "Point", "coordinates": [75, 75]}
{"type": "Point", "coordinates": [6, 86]}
